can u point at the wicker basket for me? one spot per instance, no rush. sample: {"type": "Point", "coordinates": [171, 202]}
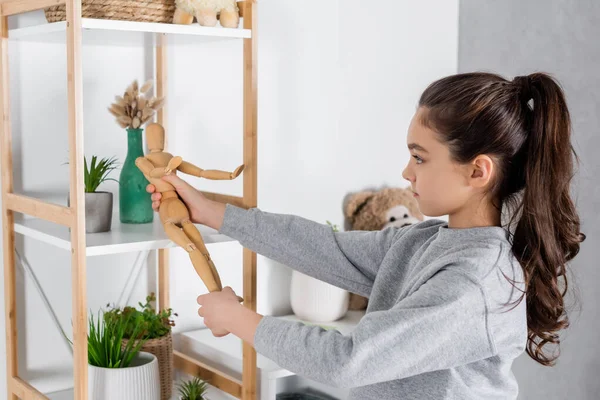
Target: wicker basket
{"type": "Point", "coordinates": [124, 10]}
{"type": "Point", "coordinates": [162, 348]}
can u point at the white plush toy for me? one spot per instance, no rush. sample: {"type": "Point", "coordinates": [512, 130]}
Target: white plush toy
{"type": "Point", "coordinates": [206, 12]}
{"type": "Point", "coordinates": [399, 217]}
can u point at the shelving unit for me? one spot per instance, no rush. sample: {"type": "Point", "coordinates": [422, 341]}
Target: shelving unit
{"type": "Point", "coordinates": [64, 227]}
{"type": "Point", "coordinates": [225, 354]}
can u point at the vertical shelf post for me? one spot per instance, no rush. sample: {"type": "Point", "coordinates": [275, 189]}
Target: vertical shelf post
{"type": "Point", "coordinates": [164, 300]}
{"type": "Point", "coordinates": [77, 199]}
{"type": "Point", "coordinates": [8, 222]}
{"type": "Point", "coordinates": [249, 374]}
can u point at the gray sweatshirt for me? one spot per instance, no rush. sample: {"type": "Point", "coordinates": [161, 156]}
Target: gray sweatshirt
{"type": "Point", "coordinates": [441, 321]}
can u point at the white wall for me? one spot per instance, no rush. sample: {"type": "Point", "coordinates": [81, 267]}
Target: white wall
{"type": "Point", "coordinates": [338, 83]}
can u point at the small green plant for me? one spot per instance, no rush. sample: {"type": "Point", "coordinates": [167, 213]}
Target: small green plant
{"type": "Point", "coordinates": [105, 344]}
{"type": "Point", "coordinates": [333, 226]}
{"type": "Point", "coordinates": [145, 322]}
{"type": "Point", "coordinates": [194, 389]}
{"type": "Point", "coordinates": [98, 172]}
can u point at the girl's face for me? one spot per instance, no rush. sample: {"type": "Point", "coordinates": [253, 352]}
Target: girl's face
{"type": "Point", "coordinates": [441, 185]}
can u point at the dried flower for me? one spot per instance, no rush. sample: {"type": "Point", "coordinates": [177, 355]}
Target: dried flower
{"type": "Point", "coordinates": [146, 87]}
{"type": "Point", "coordinates": [134, 109]}
{"type": "Point", "coordinates": [119, 101]}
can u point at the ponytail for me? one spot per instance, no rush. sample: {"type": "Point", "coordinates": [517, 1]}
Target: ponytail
{"type": "Point", "coordinates": [547, 233]}
{"type": "Point", "coordinates": [525, 125]}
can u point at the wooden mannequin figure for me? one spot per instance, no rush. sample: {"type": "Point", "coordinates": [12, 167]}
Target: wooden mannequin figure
{"type": "Point", "coordinates": [173, 212]}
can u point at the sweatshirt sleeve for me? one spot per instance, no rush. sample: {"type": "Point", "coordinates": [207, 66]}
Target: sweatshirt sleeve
{"type": "Point", "coordinates": [441, 325]}
{"type": "Point", "coordinates": [349, 260]}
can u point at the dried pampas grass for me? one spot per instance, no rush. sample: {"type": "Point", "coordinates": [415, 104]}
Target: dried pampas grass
{"type": "Point", "coordinates": [134, 108]}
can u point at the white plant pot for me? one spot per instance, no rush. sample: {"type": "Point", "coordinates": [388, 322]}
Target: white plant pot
{"type": "Point", "coordinates": [139, 381]}
{"type": "Point", "coordinates": [317, 301]}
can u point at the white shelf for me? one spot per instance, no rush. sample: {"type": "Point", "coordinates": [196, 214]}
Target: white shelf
{"type": "Point", "coordinates": [345, 325]}
{"type": "Point", "coordinates": [102, 31]}
{"type": "Point", "coordinates": [225, 353]}
{"type": "Point", "coordinates": [122, 238]}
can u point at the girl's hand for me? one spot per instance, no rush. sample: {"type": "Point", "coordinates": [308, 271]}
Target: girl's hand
{"type": "Point", "coordinates": [202, 210]}
{"type": "Point", "coordinates": [217, 309]}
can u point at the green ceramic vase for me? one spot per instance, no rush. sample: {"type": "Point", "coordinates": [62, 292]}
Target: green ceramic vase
{"type": "Point", "coordinates": [135, 205]}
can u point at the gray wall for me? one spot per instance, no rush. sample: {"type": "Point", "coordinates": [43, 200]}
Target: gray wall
{"type": "Point", "coordinates": [514, 37]}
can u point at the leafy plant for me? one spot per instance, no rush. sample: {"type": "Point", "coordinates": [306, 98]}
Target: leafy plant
{"type": "Point", "coordinates": [97, 172]}
{"type": "Point", "coordinates": [105, 344]}
{"type": "Point", "coordinates": [133, 109]}
{"type": "Point", "coordinates": [145, 322]}
{"type": "Point", "coordinates": [333, 226]}
{"type": "Point", "coordinates": [193, 389]}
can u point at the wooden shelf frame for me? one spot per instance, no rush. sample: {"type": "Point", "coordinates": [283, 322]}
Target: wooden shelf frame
{"type": "Point", "coordinates": [73, 216]}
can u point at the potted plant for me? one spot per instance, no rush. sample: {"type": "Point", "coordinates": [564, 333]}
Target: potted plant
{"type": "Point", "coordinates": [98, 204]}
{"type": "Point", "coordinates": [155, 328]}
{"type": "Point", "coordinates": [317, 301]}
{"type": "Point", "coordinates": [194, 389]}
{"type": "Point", "coordinates": [118, 370]}
{"type": "Point", "coordinates": [132, 110]}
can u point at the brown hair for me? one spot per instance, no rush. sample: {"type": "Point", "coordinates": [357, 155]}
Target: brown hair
{"type": "Point", "coordinates": [524, 126]}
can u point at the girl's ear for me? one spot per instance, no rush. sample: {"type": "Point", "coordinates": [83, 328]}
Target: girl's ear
{"type": "Point", "coordinates": [482, 171]}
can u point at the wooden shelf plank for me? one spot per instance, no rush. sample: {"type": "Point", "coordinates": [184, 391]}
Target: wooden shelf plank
{"type": "Point", "coordinates": [219, 379]}
{"type": "Point", "coordinates": [212, 393]}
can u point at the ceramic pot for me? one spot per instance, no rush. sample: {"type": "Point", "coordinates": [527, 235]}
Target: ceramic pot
{"type": "Point", "coordinates": [98, 211]}
{"type": "Point", "coordinates": [317, 301]}
{"type": "Point", "coordinates": [139, 381]}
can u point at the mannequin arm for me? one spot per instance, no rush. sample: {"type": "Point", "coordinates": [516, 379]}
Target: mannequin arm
{"type": "Point", "coordinates": [148, 168]}
{"type": "Point", "coordinates": [144, 165]}
{"type": "Point", "coordinates": [191, 169]}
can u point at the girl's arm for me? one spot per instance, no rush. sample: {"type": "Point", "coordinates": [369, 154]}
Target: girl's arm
{"type": "Point", "coordinates": [442, 325]}
{"type": "Point", "coordinates": [349, 260]}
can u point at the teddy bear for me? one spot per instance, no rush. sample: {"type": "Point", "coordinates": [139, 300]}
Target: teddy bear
{"type": "Point", "coordinates": [206, 12]}
{"type": "Point", "coordinates": [371, 210]}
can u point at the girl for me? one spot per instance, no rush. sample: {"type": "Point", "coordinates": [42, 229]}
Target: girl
{"type": "Point", "coordinates": [451, 305]}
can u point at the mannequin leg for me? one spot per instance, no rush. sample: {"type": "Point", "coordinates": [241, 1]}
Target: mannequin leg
{"type": "Point", "coordinates": [199, 261]}
{"type": "Point", "coordinates": [192, 232]}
